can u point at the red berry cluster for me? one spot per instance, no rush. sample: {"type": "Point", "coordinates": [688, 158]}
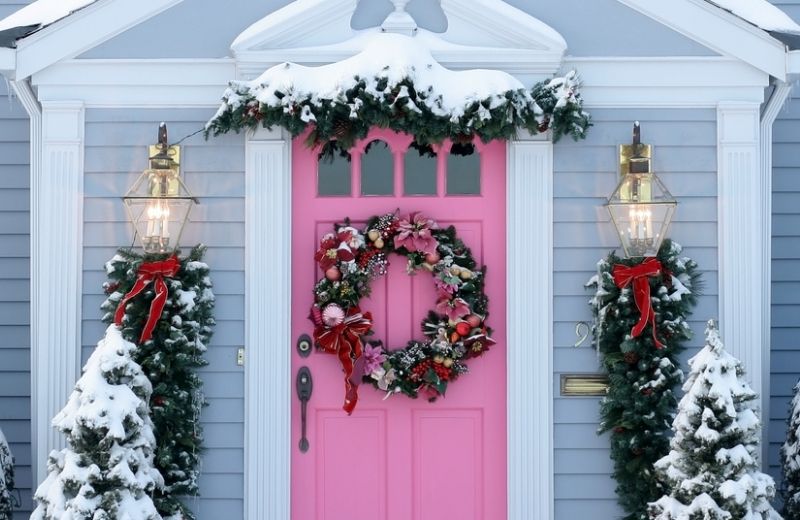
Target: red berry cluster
{"type": "Point", "coordinates": [442, 371]}
{"type": "Point", "coordinates": [419, 370]}
{"type": "Point", "coordinates": [365, 257]}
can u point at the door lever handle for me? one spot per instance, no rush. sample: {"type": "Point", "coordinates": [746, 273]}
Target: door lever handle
{"type": "Point", "coordinates": [304, 385]}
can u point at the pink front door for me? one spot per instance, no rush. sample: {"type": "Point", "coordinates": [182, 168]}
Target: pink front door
{"type": "Point", "coordinates": [399, 458]}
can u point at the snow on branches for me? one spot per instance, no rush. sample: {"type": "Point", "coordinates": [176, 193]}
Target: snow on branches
{"type": "Point", "coordinates": [712, 469]}
{"type": "Point", "coordinates": [106, 471]}
{"type": "Point", "coordinates": [790, 458]}
{"type": "Point", "coordinates": [6, 479]}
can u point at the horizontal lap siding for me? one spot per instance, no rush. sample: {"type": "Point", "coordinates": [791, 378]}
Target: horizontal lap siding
{"type": "Point", "coordinates": [116, 153]}
{"type": "Point", "coordinates": [585, 174]}
{"type": "Point", "coordinates": [15, 385]}
{"type": "Point", "coordinates": [785, 342]}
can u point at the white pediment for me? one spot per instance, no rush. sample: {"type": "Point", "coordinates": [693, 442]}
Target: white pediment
{"type": "Point", "coordinates": [487, 34]}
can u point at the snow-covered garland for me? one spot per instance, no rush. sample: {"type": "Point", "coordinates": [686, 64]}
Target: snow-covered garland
{"type": "Point", "coordinates": [410, 93]}
{"type": "Point", "coordinates": [643, 370]}
{"type": "Point", "coordinates": [455, 329]}
{"type": "Point", "coordinates": [6, 479]}
{"type": "Point", "coordinates": [790, 458]}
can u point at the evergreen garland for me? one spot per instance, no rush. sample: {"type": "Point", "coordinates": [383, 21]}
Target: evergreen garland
{"type": "Point", "coordinates": [640, 404]}
{"type": "Point", "coordinates": [339, 120]}
{"type": "Point", "coordinates": [6, 479]}
{"type": "Point", "coordinates": [170, 360]}
{"type": "Point", "coordinates": [790, 458]}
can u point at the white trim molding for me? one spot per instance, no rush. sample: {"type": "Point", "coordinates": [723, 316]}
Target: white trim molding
{"type": "Point", "coordinates": [56, 272]}
{"type": "Point", "coordinates": [530, 352]}
{"type": "Point", "coordinates": [741, 239]}
{"type": "Point", "coordinates": [267, 437]}
{"type": "Point", "coordinates": [770, 112]}
{"type": "Point", "coordinates": [718, 30]}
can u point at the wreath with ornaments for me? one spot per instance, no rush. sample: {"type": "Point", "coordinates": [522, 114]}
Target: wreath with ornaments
{"type": "Point", "coordinates": [454, 330]}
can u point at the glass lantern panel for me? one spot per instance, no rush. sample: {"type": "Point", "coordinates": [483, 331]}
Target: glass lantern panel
{"type": "Point", "coordinates": [159, 222]}
{"type": "Point", "coordinates": [641, 227]}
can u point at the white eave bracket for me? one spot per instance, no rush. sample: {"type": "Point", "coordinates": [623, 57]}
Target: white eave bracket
{"type": "Point", "coordinates": [718, 30]}
{"type": "Point", "coordinates": [82, 31]}
{"type": "Point", "coordinates": [793, 63]}
{"type": "Point", "coordinates": [8, 62]}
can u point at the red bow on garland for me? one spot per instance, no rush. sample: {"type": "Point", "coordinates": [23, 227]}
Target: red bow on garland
{"type": "Point", "coordinates": [345, 340]}
{"type": "Point", "coordinates": [150, 272]}
{"type": "Point", "coordinates": [639, 274]}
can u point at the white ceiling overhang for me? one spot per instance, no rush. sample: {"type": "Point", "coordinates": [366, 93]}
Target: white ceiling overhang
{"type": "Point", "coordinates": [481, 34]}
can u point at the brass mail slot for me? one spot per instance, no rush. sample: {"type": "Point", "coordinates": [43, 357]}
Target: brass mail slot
{"type": "Point", "coordinates": [584, 384]}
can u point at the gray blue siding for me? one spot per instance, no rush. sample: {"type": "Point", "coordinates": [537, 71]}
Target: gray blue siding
{"type": "Point", "coordinates": [585, 174]}
{"type": "Point", "coordinates": [115, 155]}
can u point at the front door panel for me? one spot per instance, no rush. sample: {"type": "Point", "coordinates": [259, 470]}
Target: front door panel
{"type": "Point", "coordinates": [398, 458]}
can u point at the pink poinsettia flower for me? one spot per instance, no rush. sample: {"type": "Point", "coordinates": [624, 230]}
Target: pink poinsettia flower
{"type": "Point", "coordinates": [454, 309]}
{"type": "Point", "coordinates": [373, 358]}
{"type": "Point", "coordinates": [415, 234]}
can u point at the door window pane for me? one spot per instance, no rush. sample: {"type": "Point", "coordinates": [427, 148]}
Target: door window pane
{"type": "Point", "coordinates": [464, 170]}
{"type": "Point", "coordinates": [419, 175]}
{"type": "Point", "coordinates": [333, 177]}
{"type": "Point", "coordinates": [377, 169]}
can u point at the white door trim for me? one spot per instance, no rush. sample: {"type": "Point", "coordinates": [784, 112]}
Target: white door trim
{"type": "Point", "coordinates": [268, 267]}
{"type": "Point", "coordinates": [529, 352]}
{"type": "Point", "coordinates": [529, 355]}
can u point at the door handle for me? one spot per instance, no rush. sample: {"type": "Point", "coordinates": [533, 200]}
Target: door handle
{"type": "Point", "coordinates": [304, 385]}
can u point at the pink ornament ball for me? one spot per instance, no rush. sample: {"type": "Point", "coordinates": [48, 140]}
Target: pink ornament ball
{"type": "Point", "coordinates": [333, 274]}
{"type": "Point", "coordinates": [332, 315]}
{"type": "Point", "coordinates": [432, 258]}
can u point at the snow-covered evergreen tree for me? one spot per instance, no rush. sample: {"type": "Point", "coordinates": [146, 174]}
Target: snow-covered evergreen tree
{"type": "Point", "coordinates": [6, 479]}
{"type": "Point", "coordinates": [790, 457]}
{"type": "Point", "coordinates": [712, 468]}
{"type": "Point", "coordinates": [106, 471]}
{"type": "Point", "coordinates": [170, 359]}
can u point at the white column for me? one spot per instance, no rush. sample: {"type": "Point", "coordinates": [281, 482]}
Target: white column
{"type": "Point", "coordinates": [530, 355]}
{"type": "Point", "coordinates": [267, 326]}
{"type": "Point", "coordinates": [56, 273]}
{"type": "Point", "coordinates": [741, 241]}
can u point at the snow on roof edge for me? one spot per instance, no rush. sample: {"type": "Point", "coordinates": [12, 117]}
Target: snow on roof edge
{"type": "Point", "coordinates": [760, 13]}
{"type": "Point", "coordinates": [35, 16]}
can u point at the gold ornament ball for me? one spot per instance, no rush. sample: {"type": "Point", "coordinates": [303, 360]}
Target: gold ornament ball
{"type": "Point", "coordinates": [448, 362]}
{"type": "Point", "coordinates": [465, 274]}
{"type": "Point", "coordinates": [374, 235]}
{"type": "Point", "coordinates": [379, 243]}
{"type": "Point", "coordinates": [438, 359]}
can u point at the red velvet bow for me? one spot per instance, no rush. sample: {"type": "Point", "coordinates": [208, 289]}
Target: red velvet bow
{"type": "Point", "coordinates": [150, 272]}
{"type": "Point", "coordinates": [639, 274]}
{"type": "Point", "coordinates": [345, 341]}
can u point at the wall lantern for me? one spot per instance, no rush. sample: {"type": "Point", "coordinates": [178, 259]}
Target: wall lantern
{"type": "Point", "coordinates": [159, 203]}
{"type": "Point", "coordinates": [641, 207]}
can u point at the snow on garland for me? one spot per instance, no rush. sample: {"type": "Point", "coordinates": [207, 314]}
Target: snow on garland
{"type": "Point", "coordinates": [790, 458]}
{"type": "Point", "coordinates": [456, 329]}
{"type": "Point", "coordinates": [395, 82]}
{"type": "Point", "coordinates": [640, 403]}
{"type": "Point", "coordinates": [712, 468]}
{"type": "Point", "coordinates": [6, 479]}
{"type": "Point", "coordinates": [170, 360]}
{"type": "Point", "coordinates": [106, 472]}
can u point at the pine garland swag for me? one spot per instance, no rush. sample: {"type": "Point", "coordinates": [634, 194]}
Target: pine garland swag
{"type": "Point", "coordinates": [170, 360]}
{"type": "Point", "coordinates": [790, 459]}
{"type": "Point", "coordinates": [640, 405]}
{"type": "Point", "coordinates": [6, 479]}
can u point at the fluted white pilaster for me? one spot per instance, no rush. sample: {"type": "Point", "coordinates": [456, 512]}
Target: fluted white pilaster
{"type": "Point", "coordinates": [56, 273]}
{"type": "Point", "coordinates": [529, 356]}
{"type": "Point", "coordinates": [741, 239]}
{"type": "Point", "coordinates": [267, 326]}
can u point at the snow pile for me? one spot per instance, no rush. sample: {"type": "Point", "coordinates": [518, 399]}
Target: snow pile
{"type": "Point", "coordinates": [6, 478]}
{"type": "Point", "coordinates": [760, 13]}
{"type": "Point", "coordinates": [42, 12]}
{"type": "Point", "coordinates": [790, 458]}
{"type": "Point", "coordinates": [106, 472]}
{"type": "Point", "coordinates": [712, 468]}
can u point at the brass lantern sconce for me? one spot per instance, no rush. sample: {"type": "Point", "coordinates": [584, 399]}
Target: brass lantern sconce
{"type": "Point", "coordinates": [159, 202]}
{"type": "Point", "coordinates": [641, 207]}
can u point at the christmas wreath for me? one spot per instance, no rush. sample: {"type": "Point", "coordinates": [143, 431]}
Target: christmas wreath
{"type": "Point", "coordinates": [455, 329]}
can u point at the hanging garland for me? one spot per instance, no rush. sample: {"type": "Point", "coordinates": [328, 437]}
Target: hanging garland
{"type": "Point", "coordinates": [340, 118]}
{"type": "Point", "coordinates": [640, 310]}
{"type": "Point", "coordinates": [455, 329]}
{"type": "Point", "coordinates": [165, 305]}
